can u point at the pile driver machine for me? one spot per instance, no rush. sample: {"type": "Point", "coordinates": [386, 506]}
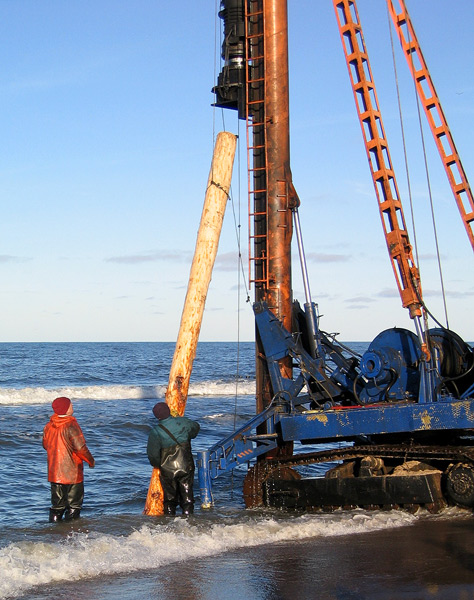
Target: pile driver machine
{"type": "Point", "coordinates": [403, 412]}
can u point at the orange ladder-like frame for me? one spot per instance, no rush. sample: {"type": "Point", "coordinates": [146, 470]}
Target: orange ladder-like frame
{"type": "Point", "coordinates": [256, 144]}
{"type": "Point", "coordinates": [434, 113]}
{"type": "Point", "coordinates": [390, 207]}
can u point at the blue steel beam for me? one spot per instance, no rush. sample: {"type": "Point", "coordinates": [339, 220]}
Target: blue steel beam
{"type": "Point", "coordinates": [244, 444]}
{"type": "Point", "coordinates": [240, 447]}
{"type": "Point", "coordinates": [378, 419]}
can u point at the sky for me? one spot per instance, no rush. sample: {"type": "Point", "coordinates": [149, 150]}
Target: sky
{"type": "Point", "coordinates": [106, 139]}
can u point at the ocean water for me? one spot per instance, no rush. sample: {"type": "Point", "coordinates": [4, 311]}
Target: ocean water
{"type": "Point", "coordinates": [114, 551]}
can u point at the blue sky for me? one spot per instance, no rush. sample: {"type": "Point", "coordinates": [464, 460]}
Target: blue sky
{"type": "Point", "coordinates": [107, 130]}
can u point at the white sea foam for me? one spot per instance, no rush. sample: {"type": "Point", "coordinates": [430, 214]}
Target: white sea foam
{"type": "Point", "coordinates": [83, 555]}
{"type": "Point", "coordinates": [40, 395]}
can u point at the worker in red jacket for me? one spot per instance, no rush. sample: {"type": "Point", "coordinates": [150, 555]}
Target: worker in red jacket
{"type": "Point", "coordinates": [64, 442]}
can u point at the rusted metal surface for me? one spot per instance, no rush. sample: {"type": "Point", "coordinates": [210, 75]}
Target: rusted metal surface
{"type": "Point", "coordinates": [279, 293]}
{"type": "Point", "coordinates": [272, 176]}
{"type": "Point", "coordinates": [256, 477]}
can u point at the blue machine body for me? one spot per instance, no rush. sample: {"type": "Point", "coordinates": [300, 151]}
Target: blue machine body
{"type": "Point", "coordinates": [390, 390]}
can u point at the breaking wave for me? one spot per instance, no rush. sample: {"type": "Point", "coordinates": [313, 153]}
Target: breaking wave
{"type": "Point", "coordinates": [27, 564]}
{"type": "Point", "coordinates": [41, 395]}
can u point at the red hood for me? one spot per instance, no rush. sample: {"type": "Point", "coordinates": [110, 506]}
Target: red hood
{"type": "Point", "coordinates": [57, 421]}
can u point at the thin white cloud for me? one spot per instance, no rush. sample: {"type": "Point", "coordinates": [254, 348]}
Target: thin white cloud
{"type": "Point", "coordinates": [454, 294]}
{"type": "Point", "coordinates": [388, 293]}
{"type": "Point", "coordinates": [145, 257]}
{"type": "Point", "coordinates": [357, 306]}
{"type": "Point", "coordinates": [321, 257]}
{"type": "Point", "coordinates": [228, 261]}
{"type": "Point", "coordinates": [428, 256]}
{"type": "Point", "coordinates": [8, 258]}
{"type": "Point", "coordinates": [360, 300]}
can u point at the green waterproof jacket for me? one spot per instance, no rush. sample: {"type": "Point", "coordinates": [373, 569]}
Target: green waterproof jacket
{"type": "Point", "coordinates": [182, 428]}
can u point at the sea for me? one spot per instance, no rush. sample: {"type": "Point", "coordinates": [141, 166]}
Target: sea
{"type": "Point", "coordinates": [228, 551]}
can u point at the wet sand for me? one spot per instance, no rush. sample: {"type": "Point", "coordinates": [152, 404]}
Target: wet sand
{"type": "Point", "coordinates": [431, 559]}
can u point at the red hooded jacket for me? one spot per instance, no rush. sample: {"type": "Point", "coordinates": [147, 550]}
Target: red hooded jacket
{"type": "Point", "coordinates": [64, 442]}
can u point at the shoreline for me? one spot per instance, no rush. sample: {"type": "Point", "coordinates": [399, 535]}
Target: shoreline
{"type": "Point", "coordinates": [432, 559]}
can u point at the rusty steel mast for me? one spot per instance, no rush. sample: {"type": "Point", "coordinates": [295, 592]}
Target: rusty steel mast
{"type": "Point", "coordinates": [254, 80]}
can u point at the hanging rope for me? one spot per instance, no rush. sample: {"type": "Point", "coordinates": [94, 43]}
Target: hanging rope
{"type": "Point", "coordinates": [420, 123]}
{"type": "Point", "coordinates": [238, 234]}
{"type": "Point", "coordinates": [241, 277]}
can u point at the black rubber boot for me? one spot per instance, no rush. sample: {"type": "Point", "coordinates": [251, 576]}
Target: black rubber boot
{"type": "Point", "coordinates": [55, 515]}
{"type": "Point", "coordinates": [72, 513]}
{"type": "Point", "coordinates": [188, 509]}
{"type": "Point", "coordinates": [169, 509]}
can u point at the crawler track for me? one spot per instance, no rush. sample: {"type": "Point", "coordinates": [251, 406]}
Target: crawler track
{"type": "Point", "coordinates": [455, 464]}
{"type": "Point", "coordinates": [422, 453]}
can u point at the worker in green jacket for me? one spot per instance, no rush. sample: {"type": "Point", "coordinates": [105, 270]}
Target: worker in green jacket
{"type": "Point", "coordinates": [169, 449]}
